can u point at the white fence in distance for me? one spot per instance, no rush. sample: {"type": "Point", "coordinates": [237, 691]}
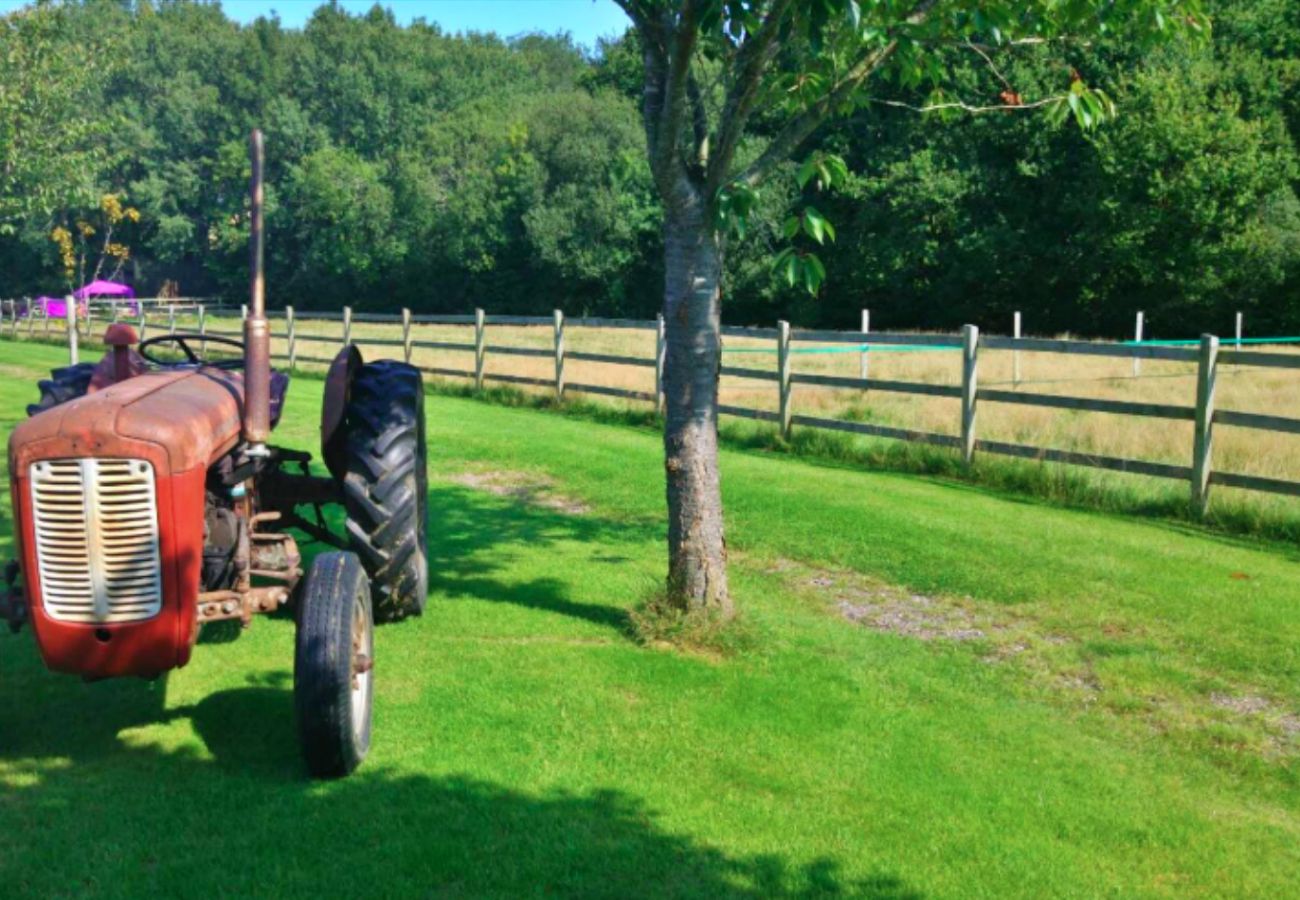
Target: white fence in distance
{"type": "Point", "coordinates": [1208, 357]}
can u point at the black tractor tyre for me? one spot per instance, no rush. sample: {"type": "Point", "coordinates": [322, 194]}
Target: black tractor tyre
{"type": "Point", "coordinates": [333, 684]}
{"type": "Point", "coordinates": [385, 487]}
{"type": "Point", "coordinates": [67, 383]}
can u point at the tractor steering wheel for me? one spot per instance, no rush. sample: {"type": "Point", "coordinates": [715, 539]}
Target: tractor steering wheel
{"type": "Point", "coordinates": [192, 359]}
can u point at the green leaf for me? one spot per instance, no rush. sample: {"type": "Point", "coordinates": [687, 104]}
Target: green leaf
{"type": "Point", "coordinates": [806, 171]}
{"type": "Point", "coordinates": [814, 273]}
{"type": "Point", "coordinates": [791, 227]}
{"type": "Point", "coordinates": [814, 224]}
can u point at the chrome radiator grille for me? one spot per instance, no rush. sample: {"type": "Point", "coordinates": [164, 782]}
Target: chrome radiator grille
{"type": "Point", "coordinates": [96, 525]}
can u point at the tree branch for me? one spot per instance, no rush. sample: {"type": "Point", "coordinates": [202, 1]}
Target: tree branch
{"type": "Point", "coordinates": [992, 68]}
{"type": "Point", "coordinates": [665, 155]}
{"type": "Point", "coordinates": [798, 129]}
{"type": "Point", "coordinates": [751, 61]}
{"type": "Point", "coordinates": [967, 107]}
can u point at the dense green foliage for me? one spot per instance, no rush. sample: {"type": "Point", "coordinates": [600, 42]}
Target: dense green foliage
{"type": "Point", "coordinates": [409, 167]}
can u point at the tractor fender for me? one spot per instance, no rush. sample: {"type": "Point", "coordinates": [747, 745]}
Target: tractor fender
{"type": "Point", "coordinates": [338, 391]}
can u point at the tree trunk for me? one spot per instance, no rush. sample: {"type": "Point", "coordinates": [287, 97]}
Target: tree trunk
{"type": "Point", "coordinates": [697, 550]}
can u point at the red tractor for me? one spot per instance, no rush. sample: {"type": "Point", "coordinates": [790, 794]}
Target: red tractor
{"type": "Point", "coordinates": [148, 503]}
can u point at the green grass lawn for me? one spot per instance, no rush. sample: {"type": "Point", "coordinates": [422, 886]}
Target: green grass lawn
{"type": "Point", "coordinates": [1042, 702]}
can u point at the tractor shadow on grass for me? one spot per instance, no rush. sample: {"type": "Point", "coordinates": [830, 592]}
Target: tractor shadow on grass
{"type": "Point", "coordinates": [473, 537]}
{"type": "Point", "coordinates": [243, 820]}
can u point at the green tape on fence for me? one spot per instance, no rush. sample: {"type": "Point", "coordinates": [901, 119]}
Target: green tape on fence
{"type": "Point", "coordinates": [850, 348]}
{"type": "Point", "coordinates": [1222, 342]}
{"type": "Point", "coordinates": [926, 348]}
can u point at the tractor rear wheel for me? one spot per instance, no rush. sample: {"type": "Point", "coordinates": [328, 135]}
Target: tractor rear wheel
{"type": "Point", "coordinates": [385, 486]}
{"type": "Point", "coordinates": [332, 665]}
{"type": "Point", "coordinates": [64, 384]}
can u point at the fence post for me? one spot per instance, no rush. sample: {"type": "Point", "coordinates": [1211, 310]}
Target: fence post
{"type": "Point", "coordinates": [90, 316]}
{"type": "Point", "coordinates": [559, 355]}
{"type": "Point", "coordinates": [1015, 354]}
{"type": "Point", "coordinates": [1137, 339]}
{"type": "Point", "coordinates": [31, 319]}
{"type": "Point", "coordinates": [866, 329]}
{"type": "Point", "coordinates": [970, 341]}
{"type": "Point", "coordinates": [243, 311]}
{"type": "Point", "coordinates": [203, 329]}
{"type": "Point", "coordinates": [1239, 324]}
{"type": "Point", "coordinates": [406, 334]}
{"type": "Point", "coordinates": [144, 320]}
{"type": "Point", "coordinates": [45, 331]}
{"type": "Point", "coordinates": [1206, 375]}
{"type": "Point", "coordinates": [171, 318]}
{"type": "Point", "coordinates": [661, 348]}
{"type": "Point", "coordinates": [13, 320]}
{"type": "Point", "coordinates": [480, 347]}
{"type": "Point", "coordinates": [71, 313]}
{"type": "Point", "coordinates": [783, 373]}
{"type": "Point", "coordinates": [347, 326]}
{"type": "Point", "coordinates": [291, 333]}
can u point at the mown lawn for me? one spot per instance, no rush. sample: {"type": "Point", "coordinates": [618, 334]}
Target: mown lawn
{"type": "Point", "coordinates": [1050, 702]}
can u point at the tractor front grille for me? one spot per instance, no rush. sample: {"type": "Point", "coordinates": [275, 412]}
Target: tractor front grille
{"type": "Point", "coordinates": [96, 525]}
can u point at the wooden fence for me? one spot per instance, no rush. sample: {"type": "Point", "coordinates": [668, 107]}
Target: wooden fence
{"type": "Point", "coordinates": [1207, 356]}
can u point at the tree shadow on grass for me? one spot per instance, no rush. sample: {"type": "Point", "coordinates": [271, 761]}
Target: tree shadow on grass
{"type": "Point", "coordinates": [474, 536]}
{"type": "Point", "coordinates": [241, 819]}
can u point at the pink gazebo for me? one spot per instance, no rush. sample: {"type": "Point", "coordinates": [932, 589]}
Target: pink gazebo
{"type": "Point", "coordinates": [111, 290]}
{"type": "Point", "coordinates": [101, 288]}
{"type": "Point", "coordinates": [53, 307]}
{"type": "Point", "coordinates": [57, 307]}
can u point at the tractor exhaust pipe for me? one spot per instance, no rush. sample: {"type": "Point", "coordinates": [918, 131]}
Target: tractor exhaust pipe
{"type": "Point", "coordinates": [257, 332]}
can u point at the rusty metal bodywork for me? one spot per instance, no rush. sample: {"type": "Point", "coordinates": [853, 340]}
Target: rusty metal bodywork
{"type": "Point", "coordinates": [179, 423]}
{"type": "Point", "coordinates": [186, 425]}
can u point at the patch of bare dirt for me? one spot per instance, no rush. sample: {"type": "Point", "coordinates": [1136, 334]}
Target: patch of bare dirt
{"type": "Point", "coordinates": [524, 487]}
{"type": "Point", "coordinates": [893, 610]}
{"type": "Point", "coordinates": [1086, 684]}
{"type": "Point", "coordinates": [1261, 708]}
{"type": "Point", "coordinates": [1246, 704]}
{"type": "Point", "coordinates": [912, 615]}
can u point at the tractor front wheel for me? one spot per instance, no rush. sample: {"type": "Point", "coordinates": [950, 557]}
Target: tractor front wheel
{"type": "Point", "coordinates": [386, 483]}
{"type": "Point", "coordinates": [332, 665]}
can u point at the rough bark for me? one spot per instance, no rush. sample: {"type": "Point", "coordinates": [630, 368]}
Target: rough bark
{"type": "Point", "coordinates": [697, 548]}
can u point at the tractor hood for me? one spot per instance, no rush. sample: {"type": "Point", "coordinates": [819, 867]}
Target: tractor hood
{"type": "Point", "coordinates": [182, 419]}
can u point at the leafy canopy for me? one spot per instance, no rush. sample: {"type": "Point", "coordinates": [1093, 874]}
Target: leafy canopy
{"type": "Point", "coordinates": [733, 88]}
